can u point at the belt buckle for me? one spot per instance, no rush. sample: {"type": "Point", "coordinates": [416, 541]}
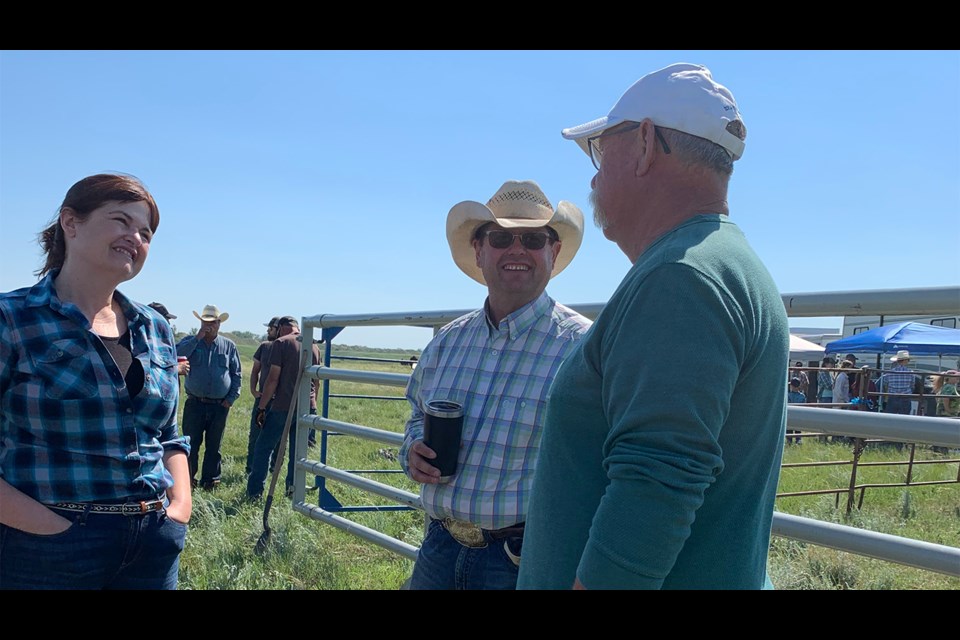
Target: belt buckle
{"type": "Point", "coordinates": [141, 508]}
{"type": "Point", "coordinates": [466, 533]}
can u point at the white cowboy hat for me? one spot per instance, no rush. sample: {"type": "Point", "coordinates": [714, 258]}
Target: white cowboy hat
{"type": "Point", "coordinates": [211, 313]}
{"type": "Point", "coordinates": [517, 205]}
{"type": "Point", "coordinates": [901, 355]}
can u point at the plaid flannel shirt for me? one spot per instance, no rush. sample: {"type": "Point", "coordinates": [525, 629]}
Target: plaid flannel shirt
{"type": "Point", "coordinates": [69, 429]}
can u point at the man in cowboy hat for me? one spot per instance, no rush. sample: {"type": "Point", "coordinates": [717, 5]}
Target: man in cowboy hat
{"type": "Point", "coordinates": [497, 362]}
{"type": "Point", "coordinates": [898, 380]}
{"type": "Point", "coordinates": [645, 482]}
{"type": "Point", "coordinates": [212, 386]}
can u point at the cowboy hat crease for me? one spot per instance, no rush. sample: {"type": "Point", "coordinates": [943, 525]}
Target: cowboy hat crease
{"type": "Point", "coordinates": [516, 205]}
{"type": "Point", "coordinates": [211, 313]}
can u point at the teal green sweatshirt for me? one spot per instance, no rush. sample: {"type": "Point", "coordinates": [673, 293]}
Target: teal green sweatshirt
{"type": "Point", "coordinates": [661, 451]}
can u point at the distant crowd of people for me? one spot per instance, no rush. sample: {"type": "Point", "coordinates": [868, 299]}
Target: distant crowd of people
{"type": "Point", "coordinates": [894, 390]}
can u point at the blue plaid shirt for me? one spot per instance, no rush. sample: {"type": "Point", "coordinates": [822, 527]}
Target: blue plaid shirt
{"type": "Point", "coordinates": [501, 376]}
{"type": "Point", "coordinates": [69, 430]}
{"type": "Point", "coordinates": [214, 368]}
{"type": "Point", "coordinates": [901, 381]}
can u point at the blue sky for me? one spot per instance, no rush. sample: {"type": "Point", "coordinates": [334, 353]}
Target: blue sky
{"type": "Point", "coordinates": [309, 182]}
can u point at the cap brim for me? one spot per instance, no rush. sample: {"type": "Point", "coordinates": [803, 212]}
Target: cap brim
{"type": "Point", "coordinates": [589, 128]}
{"type": "Point", "coordinates": [580, 133]}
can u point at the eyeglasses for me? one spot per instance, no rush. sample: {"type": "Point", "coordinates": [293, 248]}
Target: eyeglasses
{"type": "Point", "coordinates": [533, 240]}
{"type": "Point", "coordinates": [596, 155]}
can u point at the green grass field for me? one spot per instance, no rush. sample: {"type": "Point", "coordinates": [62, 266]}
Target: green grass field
{"type": "Point", "coordinates": [305, 554]}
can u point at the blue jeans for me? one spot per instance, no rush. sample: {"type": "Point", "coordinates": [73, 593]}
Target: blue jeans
{"type": "Point", "coordinates": [99, 551]}
{"type": "Point", "coordinates": [268, 440]}
{"type": "Point", "coordinates": [252, 439]}
{"type": "Point", "coordinates": [897, 405]}
{"type": "Point", "coordinates": [202, 419]}
{"type": "Point", "coordinates": [444, 563]}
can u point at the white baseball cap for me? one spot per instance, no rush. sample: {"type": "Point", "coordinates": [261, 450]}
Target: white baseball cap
{"type": "Point", "coordinates": [682, 96]}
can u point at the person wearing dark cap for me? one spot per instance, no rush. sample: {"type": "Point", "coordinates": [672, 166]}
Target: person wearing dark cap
{"type": "Point", "coordinates": [162, 310]}
{"type": "Point", "coordinates": [257, 381]}
{"type": "Point", "coordinates": [183, 366]}
{"type": "Point", "coordinates": [279, 393]}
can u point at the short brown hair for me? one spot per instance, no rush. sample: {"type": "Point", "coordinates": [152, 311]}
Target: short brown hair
{"type": "Point", "coordinates": [85, 196]}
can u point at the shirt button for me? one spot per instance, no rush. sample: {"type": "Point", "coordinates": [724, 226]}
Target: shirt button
{"type": "Point", "coordinates": [129, 410]}
{"type": "Point", "coordinates": [523, 404]}
{"type": "Point", "coordinates": [495, 352]}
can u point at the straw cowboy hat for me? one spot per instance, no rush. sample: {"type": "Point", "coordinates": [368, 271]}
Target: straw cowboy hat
{"type": "Point", "coordinates": [901, 355]}
{"type": "Point", "coordinates": [211, 313]}
{"type": "Point", "coordinates": [517, 205]}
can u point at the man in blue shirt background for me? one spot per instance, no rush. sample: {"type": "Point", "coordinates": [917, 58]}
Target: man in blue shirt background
{"type": "Point", "coordinates": [212, 386]}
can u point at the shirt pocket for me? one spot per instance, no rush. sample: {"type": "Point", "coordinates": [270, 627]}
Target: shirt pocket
{"type": "Point", "coordinates": [163, 379]}
{"type": "Point", "coordinates": [517, 430]}
{"type": "Point", "coordinates": [66, 372]}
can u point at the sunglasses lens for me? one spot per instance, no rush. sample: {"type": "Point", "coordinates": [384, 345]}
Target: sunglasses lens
{"type": "Point", "coordinates": [533, 241]}
{"type": "Point", "coordinates": [500, 239]}
{"type": "Point", "coordinates": [504, 239]}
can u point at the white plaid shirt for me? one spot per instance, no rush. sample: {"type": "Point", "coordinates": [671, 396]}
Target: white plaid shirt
{"type": "Point", "coordinates": [501, 375]}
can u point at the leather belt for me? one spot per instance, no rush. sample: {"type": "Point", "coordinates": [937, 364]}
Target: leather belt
{"type": "Point", "coordinates": [205, 400]}
{"type": "Point", "coordinates": [129, 508]}
{"type": "Point", "coordinates": [471, 535]}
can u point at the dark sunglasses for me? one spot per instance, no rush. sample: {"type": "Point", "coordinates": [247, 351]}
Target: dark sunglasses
{"type": "Point", "coordinates": [533, 240]}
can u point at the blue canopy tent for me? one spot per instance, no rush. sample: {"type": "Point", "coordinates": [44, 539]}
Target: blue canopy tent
{"type": "Point", "coordinates": [919, 339]}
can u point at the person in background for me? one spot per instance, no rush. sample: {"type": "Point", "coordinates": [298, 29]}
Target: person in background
{"type": "Point", "coordinates": [261, 355]}
{"type": "Point", "coordinates": [279, 393]}
{"type": "Point", "coordinates": [869, 401]}
{"type": "Point", "coordinates": [948, 405]}
{"type": "Point", "coordinates": [643, 483]}
{"type": "Point", "coordinates": [183, 366]}
{"type": "Point", "coordinates": [801, 375]}
{"type": "Point", "coordinates": [795, 396]}
{"type": "Point", "coordinates": [898, 380]}
{"type": "Point", "coordinates": [825, 381]}
{"type": "Point", "coordinates": [497, 362]}
{"type": "Point", "coordinates": [841, 384]}
{"type": "Point", "coordinates": [94, 484]}
{"type": "Point", "coordinates": [212, 386]}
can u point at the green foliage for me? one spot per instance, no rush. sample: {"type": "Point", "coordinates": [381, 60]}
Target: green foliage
{"type": "Point", "coordinates": [303, 553]}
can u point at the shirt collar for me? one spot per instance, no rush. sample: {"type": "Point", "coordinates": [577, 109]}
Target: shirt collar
{"type": "Point", "coordinates": [45, 294]}
{"type": "Point", "coordinates": [518, 322]}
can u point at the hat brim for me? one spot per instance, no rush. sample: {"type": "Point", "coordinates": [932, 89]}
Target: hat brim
{"type": "Point", "coordinates": [466, 217]}
{"type": "Point", "coordinates": [222, 317]}
{"type": "Point", "coordinates": [581, 132]}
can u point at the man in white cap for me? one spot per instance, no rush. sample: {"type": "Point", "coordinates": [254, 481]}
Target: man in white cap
{"type": "Point", "coordinates": [498, 363]}
{"type": "Point", "coordinates": [212, 386]}
{"type": "Point", "coordinates": [644, 482]}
